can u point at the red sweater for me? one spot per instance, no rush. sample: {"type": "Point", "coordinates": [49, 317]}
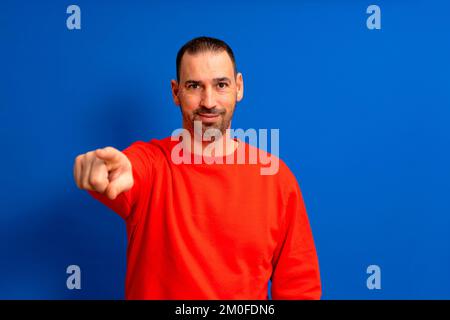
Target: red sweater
{"type": "Point", "coordinates": [213, 231]}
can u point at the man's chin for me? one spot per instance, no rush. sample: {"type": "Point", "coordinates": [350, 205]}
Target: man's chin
{"type": "Point", "coordinates": [210, 128]}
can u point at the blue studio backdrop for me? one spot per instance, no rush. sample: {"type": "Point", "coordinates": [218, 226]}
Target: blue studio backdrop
{"type": "Point", "coordinates": [363, 117]}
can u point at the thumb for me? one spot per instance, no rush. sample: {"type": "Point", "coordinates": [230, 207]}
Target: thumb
{"type": "Point", "coordinates": [119, 184]}
{"type": "Point", "coordinates": [108, 154]}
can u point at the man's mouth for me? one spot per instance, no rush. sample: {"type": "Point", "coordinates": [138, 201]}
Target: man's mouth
{"type": "Point", "coordinates": [208, 117]}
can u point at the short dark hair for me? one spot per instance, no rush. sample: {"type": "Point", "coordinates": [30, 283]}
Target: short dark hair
{"type": "Point", "coordinates": [202, 44]}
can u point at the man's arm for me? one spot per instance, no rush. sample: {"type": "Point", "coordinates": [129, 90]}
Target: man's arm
{"type": "Point", "coordinates": [295, 264]}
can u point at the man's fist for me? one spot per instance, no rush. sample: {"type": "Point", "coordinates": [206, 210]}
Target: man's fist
{"type": "Point", "coordinates": [107, 171]}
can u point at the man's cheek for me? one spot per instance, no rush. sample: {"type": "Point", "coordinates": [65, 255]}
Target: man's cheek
{"type": "Point", "coordinates": [191, 104]}
{"type": "Point", "coordinates": [188, 105]}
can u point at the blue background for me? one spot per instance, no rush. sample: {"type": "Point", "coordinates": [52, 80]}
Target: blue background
{"type": "Point", "coordinates": [363, 118]}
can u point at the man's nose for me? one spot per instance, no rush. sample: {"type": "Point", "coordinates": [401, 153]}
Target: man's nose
{"type": "Point", "coordinates": [208, 100]}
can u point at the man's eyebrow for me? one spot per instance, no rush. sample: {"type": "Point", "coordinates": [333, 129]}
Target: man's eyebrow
{"type": "Point", "coordinates": [192, 82]}
{"type": "Point", "coordinates": [222, 79]}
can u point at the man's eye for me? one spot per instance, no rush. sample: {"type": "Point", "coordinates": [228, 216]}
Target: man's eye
{"type": "Point", "coordinates": [193, 86]}
{"type": "Point", "coordinates": [222, 85]}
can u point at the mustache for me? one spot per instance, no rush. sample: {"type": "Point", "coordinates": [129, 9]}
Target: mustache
{"type": "Point", "coordinates": [214, 110]}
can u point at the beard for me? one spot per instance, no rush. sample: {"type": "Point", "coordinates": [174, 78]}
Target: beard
{"type": "Point", "coordinates": [221, 124]}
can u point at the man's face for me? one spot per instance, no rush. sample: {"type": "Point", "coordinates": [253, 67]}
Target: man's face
{"type": "Point", "coordinates": [208, 90]}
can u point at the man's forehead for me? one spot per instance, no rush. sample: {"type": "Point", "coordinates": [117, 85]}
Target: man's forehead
{"type": "Point", "coordinates": [205, 65]}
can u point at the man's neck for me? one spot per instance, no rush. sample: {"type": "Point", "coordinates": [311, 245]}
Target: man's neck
{"type": "Point", "coordinates": [224, 146]}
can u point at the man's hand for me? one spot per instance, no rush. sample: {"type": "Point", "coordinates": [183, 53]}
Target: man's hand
{"type": "Point", "coordinates": [107, 171]}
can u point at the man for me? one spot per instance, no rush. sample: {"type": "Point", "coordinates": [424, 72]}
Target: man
{"type": "Point", "coordinates": [200, 230]}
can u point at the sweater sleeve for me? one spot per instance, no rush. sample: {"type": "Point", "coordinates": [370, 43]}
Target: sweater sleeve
{"type": "Point", "coordinates": [141, 161]}
{"type": "Point", "coordinates": [295, 264]}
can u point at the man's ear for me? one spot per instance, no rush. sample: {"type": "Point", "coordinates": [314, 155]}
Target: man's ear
{"type": "Point", "coordinates": [175, 88]}
{"type": "Point", "coordinates": [240, 87]}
